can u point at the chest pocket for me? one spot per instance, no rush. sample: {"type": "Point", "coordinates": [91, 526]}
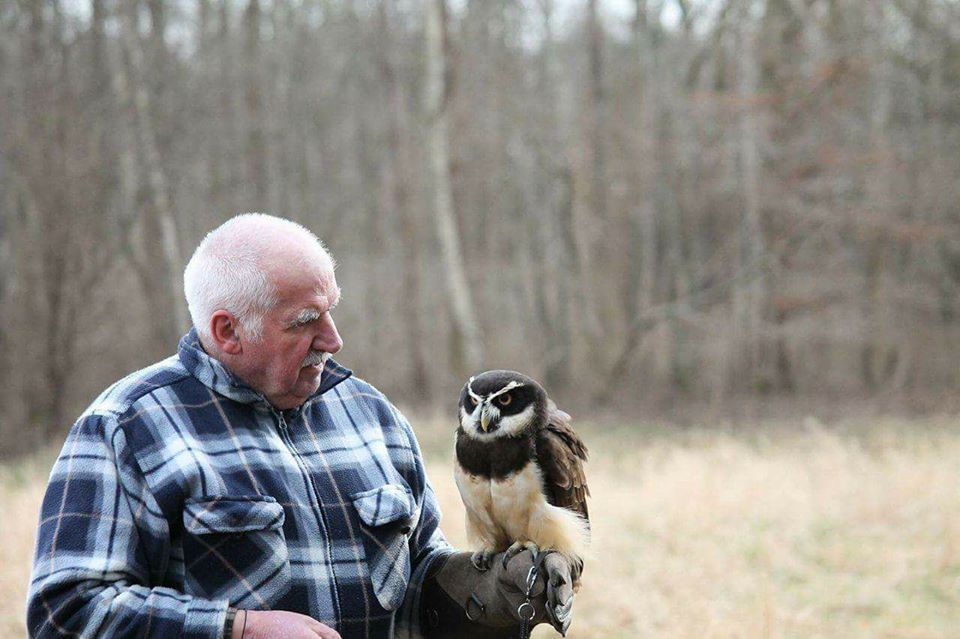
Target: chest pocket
{"type": "Point", "coordinates": [234, 549]}
{"type": "Point", "coordinates": [388, 514]}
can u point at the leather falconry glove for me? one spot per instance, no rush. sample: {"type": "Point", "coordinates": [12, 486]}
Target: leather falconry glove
{"type": "Point", "coordinates": [461, 601]}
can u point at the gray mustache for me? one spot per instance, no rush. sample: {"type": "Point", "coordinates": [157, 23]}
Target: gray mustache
{"type": "Point", "coordinates": [316, 358]}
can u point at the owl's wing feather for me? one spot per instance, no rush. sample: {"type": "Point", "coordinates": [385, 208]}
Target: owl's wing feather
{"type": "Point", "coordinates": [560, 455]}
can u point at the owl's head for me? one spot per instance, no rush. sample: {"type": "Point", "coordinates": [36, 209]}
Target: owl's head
{"type": "Point", "coordinates": [501, 404]}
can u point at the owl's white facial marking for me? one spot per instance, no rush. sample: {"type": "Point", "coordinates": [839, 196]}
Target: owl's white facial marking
{"type": "Point", "coordinates": [510, 386]}
{"type": "Point", "coordinates": [471, 423]}
{"type": "Point", "coordinates": [476, 398]}
{"type": "Point", "coordinates": [514, 424]}
{"type": "Point", "coordinates": [508, 426]}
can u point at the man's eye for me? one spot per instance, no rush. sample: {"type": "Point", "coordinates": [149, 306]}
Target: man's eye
{"type": "Point", "coordinates": [305, 322]}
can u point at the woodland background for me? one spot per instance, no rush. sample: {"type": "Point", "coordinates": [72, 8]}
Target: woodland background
{"type": "Point", "coordinates": [650, 203]}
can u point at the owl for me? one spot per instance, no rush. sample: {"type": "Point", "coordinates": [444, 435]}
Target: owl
{"type": "Point", "coordinates": [519, 469]}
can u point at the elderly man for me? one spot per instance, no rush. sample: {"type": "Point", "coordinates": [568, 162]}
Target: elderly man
{"type": "Point", "coordinates": [250, 487]}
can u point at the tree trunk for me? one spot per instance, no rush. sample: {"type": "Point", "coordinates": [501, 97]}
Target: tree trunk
{"type": "Point", "coordinates": [467, 347]}
{"type": "Point", "coordinates": [227, 124]}
{"type": "Point", "coordinates": [395, 185]}
{"type": "Point", "coordinates": [159, 266]}
{"type": "Point", "coordinates": [598, 114]}
{"type": "Point", "coordinates": [256, 148]}
{"type": "Point", "coordinates": [750, 297]}
{"type": "Point", "coordinates": [643, 220]}
{"type": "Point", "coordinates": [644, 214]}
{"type": "Point", "coordinates": [557, 250]}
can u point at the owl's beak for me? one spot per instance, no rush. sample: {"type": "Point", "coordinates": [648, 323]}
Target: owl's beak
{"type": "Point", "coordinates": [484, 419]}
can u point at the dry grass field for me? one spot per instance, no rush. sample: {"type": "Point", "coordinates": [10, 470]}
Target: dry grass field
{"type": "Point", "coordinates": [791, 529]}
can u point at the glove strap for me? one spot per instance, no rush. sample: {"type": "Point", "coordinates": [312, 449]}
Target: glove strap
{"type": "Point", "coordinates": [526, 611]}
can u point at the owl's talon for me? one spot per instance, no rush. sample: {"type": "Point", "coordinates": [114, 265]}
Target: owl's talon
{"type": "Point", "coordinates": [482, 560]}
{"type": "Point", "coordinates": [518, 547]}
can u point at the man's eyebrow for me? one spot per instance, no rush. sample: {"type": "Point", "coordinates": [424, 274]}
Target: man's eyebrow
{"type": "Point", "coordinates": [304, 316]}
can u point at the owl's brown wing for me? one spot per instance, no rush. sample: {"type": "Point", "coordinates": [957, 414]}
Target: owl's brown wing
{"type": "Point", "coordinates": [560, 455]}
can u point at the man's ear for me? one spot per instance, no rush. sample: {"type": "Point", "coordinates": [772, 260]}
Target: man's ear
{"type": "Point", "coordinates": [224, 330]}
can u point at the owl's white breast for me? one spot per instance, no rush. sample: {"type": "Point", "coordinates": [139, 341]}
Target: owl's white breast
{"type": "Point", "coordinates": [513, 508]}
{"type": "Point", "coordinates": [501, 509]}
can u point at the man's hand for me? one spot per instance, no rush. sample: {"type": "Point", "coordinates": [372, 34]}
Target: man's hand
{"type": "Point", "coordinates": [279, 624]}
{"type": "Point", "coordinates": [461, 601]}
{"type": "Point", "coordinates": [552, 594]}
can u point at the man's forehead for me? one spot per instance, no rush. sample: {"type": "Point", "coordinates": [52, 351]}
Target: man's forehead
{"type": "Point", "coordinates": [299, 288]}
{"type": "Point", "coordinates": [307, 292]}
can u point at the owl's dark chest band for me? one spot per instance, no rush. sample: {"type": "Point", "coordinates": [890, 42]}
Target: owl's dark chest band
{"type": "Point", "coordinates": [495, 459]}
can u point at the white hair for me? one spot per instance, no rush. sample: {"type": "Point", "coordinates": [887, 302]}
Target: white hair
{"type": "Point", "coordinates": [227, 271]}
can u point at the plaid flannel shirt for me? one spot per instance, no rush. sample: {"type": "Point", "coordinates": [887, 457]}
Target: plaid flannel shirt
{"type": "Point", "coordinates": [181, 491]}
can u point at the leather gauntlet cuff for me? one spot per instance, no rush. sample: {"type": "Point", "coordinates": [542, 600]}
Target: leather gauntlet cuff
{"type": "Point", "coordinates": [459, 600]}
{"type": "Point", "coordinates": [441, 618]}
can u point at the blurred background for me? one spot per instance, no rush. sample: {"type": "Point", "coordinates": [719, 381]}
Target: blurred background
{"type": "Point", "coordinates": [644, 200]}
{"type": "Point", "coordinates": [724, 231]}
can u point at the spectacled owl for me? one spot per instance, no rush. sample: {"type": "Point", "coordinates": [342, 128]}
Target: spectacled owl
{"type": "Point", "coordinates": [519, 469]}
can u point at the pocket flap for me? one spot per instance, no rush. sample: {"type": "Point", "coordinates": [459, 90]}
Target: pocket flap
{"type": "Point", "coordinates": [385, 504]}
{"type": "Point", "coordinates": [232, 514]}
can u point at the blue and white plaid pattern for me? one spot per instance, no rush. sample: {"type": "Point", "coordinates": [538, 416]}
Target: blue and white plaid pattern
{"type": "Point", "coordinates": [181, 491]}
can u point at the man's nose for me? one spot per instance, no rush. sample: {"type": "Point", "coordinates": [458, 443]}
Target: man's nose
{"type": "Point", "coordinates": [327, 339]}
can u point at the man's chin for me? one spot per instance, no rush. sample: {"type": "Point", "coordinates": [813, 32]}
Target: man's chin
{"type": "Point", "coordinates": [309, 381]}
{"type": "Point", "coordinates": [296, 398]}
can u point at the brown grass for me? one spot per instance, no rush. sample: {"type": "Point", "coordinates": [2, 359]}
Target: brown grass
{"type": "Point", "coordinates": [21, 489]}
{"type": "Point", "coordinates": [785, 530]}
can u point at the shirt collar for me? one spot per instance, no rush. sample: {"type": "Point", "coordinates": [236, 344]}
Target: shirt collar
{"type": "Point", "coordinates": [211, 372]}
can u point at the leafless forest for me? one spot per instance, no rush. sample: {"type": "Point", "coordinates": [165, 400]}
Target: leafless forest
{"type": "Point", "coordinates": [691, 200]}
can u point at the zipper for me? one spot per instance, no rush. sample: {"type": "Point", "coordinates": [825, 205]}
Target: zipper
{"type": "Point", "coordinates": [288, 441]}
{"type": "Point", "coordinates": [304, 469]}
{"type": "Point", "coordinates": [318, 504]}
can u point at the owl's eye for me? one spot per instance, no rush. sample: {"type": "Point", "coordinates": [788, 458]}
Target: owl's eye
{"type": "Point", "coordinates": [471, 404]}
{"type": "Point", "coordinates": [505, 399]}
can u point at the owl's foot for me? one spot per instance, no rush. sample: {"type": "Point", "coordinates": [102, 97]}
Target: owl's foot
{"type": "Point", "coordinates": [482, 560]}
{"type": "Point", "coordinates": [518, 547]}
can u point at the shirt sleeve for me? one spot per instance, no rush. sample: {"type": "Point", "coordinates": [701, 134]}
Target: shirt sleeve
{"type": "Point", "coordinates": [101, 542]}
{"type": "Point", "coordinates": [427, 544]}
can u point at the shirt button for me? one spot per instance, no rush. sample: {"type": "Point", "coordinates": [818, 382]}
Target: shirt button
{"type": "Point", "coordinates": [433, 618]}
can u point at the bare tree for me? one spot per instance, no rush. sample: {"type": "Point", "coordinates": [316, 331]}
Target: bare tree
{"type": "Point", "coordinates": [750, 298]}
{"type": "Point", "coordinates": [256, 144]}
{"type": "Point", "coordinates": [598, 112]}
{"type": "Point", "coordinates": [154, 253]}
{"type": "Point", "coordinates": [396, 184]}
{"type": "Point", "coordinates": [467, 333]}
{"type": "Point", "coordinates": [553, 244]}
